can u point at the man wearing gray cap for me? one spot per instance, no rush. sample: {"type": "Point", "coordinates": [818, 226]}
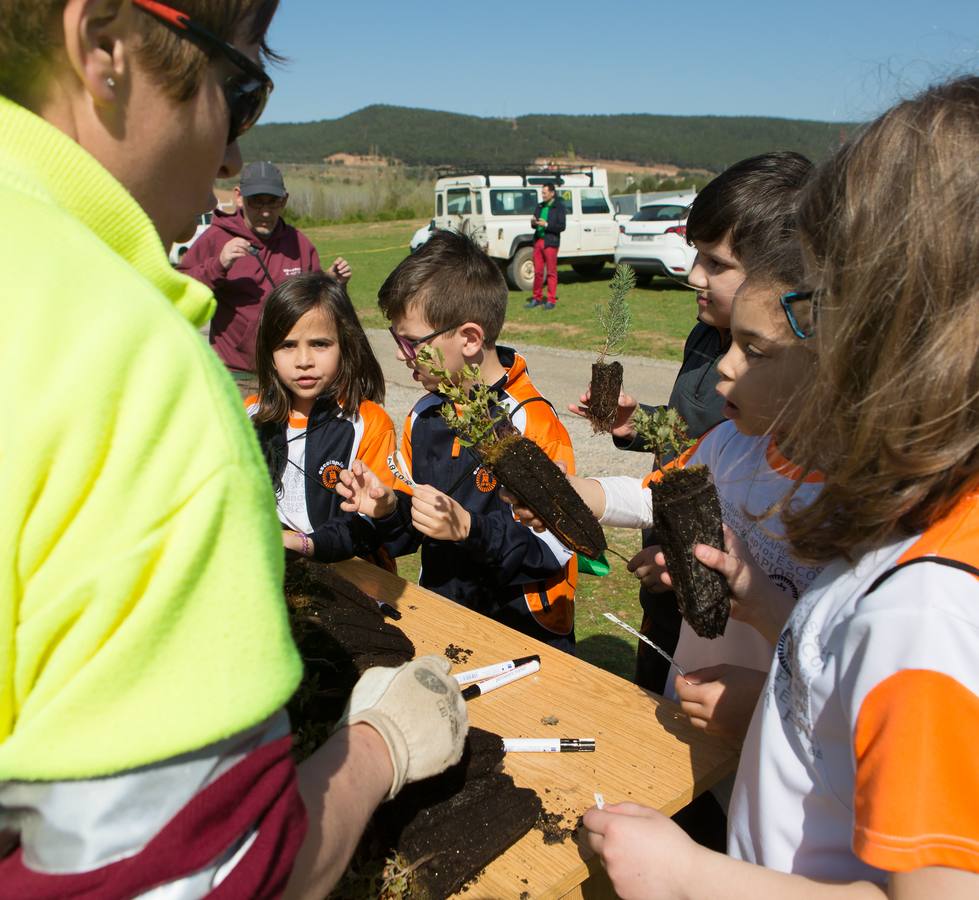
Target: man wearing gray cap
{"type": "Point", "coordinates": [244, 255]}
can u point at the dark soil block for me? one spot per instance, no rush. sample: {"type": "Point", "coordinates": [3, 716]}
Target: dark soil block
{"type": "Point", "coordinates": [686, 511]}
{"type": "Point", "coordinates": [437, 834]}
{"type": "Point", "coordinates": [458, 834]}
{"type": "Point", "coordinates": [527, 471]}
{"type": "Point", "coordinates": [606, 385]}
{"type": "Point", "coordinates": [340, 633]}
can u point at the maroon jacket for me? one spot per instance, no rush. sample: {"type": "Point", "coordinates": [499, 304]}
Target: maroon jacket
{"type": "Point", "coordinates": [242, 290]}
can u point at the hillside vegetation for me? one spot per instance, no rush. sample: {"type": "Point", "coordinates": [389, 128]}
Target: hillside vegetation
{"type": "Point", "coordinates": [421, 137]}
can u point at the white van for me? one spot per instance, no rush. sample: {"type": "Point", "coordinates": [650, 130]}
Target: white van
{"type": "Point", "coordinates": [495, 207]}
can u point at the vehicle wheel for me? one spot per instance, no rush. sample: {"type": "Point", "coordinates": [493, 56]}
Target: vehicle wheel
{"type": "Point", "coordinates": [588, 269]}
{"type": "Point", "coordinates": [520, 271]}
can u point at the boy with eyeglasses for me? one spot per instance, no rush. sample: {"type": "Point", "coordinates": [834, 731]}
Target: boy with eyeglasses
{"type": "Point", "coordinates": [450, 296]}
{"type": "Point", "coordinates": [244, 255]}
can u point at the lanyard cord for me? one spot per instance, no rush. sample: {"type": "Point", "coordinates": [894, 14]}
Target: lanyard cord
{"type": "Point", "coordinates": [303, 434]}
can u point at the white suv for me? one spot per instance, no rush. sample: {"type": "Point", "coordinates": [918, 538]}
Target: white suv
{"type": "Point", "coordinates": [496, 208]}
{"type": "Point", "coordinates": [654, 240]}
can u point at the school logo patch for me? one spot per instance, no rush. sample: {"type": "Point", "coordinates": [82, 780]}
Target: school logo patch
{"type": "Point", "coordinates": [330, 473]}
{"type": "Point", "coordinates": [485, 480]}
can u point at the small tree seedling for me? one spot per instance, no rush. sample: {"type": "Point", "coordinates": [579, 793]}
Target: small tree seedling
{"type": "Point", "coordinates": [481, 421]}
{"type": "Point", "coordinates": [663, 431]}
{"type": "Point", "coordinates": [606, 378]}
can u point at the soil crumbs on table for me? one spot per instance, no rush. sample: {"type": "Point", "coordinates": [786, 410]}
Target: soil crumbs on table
{"type": "Point", "coordinates": [458, 654]}
{"type": "Point", "coordinates": [554, 832]}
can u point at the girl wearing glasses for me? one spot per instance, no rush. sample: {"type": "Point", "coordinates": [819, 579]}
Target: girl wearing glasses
{"type": "Point", "coordinates": [147, 657]}
{"type": "Point", "coordinates": [316, 411]}
{"type": "Point", "coordinates": [858, 776]}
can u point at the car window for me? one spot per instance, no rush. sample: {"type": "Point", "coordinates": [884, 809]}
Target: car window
{"type": "Point", "coordinates": [659, 213]}
{"type": "Point", "coordinates": [459, 201]}
{"type": "Point", "coordinates": [593, 202]}
{"type": "Point", "coordinates": [513, 201]}
{"type": "Point", "coordinates": [567, 199]}
{"type": "Point", "coordinates": [479, 203]}
{"type": "Point", "coordinates": [438, 204]}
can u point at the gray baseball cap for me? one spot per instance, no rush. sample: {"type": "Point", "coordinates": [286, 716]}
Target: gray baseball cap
{"type": "Point", "coordinates": [261, 178]}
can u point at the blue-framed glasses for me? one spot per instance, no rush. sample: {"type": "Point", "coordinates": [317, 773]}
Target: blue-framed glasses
{"type": "Point", "coordinates": [800, 310]}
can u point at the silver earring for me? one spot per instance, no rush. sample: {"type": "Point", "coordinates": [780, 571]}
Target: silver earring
{"type": "Point", "coordinates": [111, 82]}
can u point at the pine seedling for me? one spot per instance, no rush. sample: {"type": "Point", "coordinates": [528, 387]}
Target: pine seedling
{"type": "Point", "coordinates": [614, 316]}
{"type": "Point", "coordinates": [662, 432]}
{"type": "Point", "coordinates": [474, 414]}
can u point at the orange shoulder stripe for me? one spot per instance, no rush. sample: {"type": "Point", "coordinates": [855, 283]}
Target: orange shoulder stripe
{"type": "Point", "coordinates": [956, 536]}
{"type": "Point", "coordinates": [678, 462]}
{"type": "Point", "coordinates": [916, 774]}
{"type": "Point", "coordinates": [378, 442]}
{"type": "Point", "coordinates": [788, 469]}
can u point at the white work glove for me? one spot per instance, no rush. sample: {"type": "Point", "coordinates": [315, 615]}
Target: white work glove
{"type": "Point", "coordinates": [419, 712]}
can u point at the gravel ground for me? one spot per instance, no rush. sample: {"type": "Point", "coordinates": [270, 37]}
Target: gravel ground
{"type": "Point", "coordinates": [561, 376]}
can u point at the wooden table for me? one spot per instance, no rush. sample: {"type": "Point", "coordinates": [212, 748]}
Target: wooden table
{"type": "Point", "coordinates": [646, 750]}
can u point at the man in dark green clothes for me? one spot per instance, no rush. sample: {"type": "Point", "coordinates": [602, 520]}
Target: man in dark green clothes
{"type": "Point", "coordinates": [548, 221]}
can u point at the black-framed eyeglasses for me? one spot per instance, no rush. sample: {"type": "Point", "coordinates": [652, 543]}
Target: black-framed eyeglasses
{"type": "Point", "coordinates": [409, 347]}
{"type": "Point", "coordinates": [246, 94]}
{"type": "Point", "coordinates": [800, 309]}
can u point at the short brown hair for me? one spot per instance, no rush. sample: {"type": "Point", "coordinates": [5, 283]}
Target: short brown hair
{"type": "Point", "coordinates": [890, 228]}
{"type": "Point", "coordinates": [755, 200]}
{"type": "Point", "coordinates": [454, 281]}
{"type": "Point", "coordinates": [30, 32]}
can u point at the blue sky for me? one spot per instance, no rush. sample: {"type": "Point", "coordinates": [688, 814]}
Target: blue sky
{"type": "Point", "coordinates": [824, 59]}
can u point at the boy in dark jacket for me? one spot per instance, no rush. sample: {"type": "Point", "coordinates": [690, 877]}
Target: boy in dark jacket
{"type": "Point", "coordinates": [451, 297]}
{"type": "Point", "coordinates": [548, 221]}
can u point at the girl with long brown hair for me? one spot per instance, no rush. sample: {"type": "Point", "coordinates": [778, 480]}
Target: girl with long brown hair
{"type": "Point", "coordinates": [858, 776]}
{"type": "Point", "coordinates": [317, 410]}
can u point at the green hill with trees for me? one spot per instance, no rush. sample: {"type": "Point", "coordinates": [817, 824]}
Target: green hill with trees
{"type": "Point", "coordinates": [423, 137]}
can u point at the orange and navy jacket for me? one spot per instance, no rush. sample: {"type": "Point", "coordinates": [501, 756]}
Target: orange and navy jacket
{"type": "Point", "coordinates": [334, 439]}
{"type": "Point", "coordinates": [503, 569]}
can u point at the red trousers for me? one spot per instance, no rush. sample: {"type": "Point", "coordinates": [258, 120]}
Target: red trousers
{"type": "Point", "coordinates": [545, 257]}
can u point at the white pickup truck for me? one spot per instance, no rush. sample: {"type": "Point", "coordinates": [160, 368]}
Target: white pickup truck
{"type": "Point", "coordinates": [495, 208]}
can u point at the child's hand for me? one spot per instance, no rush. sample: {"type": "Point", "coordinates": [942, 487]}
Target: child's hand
{"type": "Point", "coordinates": [755, 598]}
{"type": "Point", "coordinates": [621, 424]}
{"type": "Point", "coordinates": [298, 543]}
{"type": "Point", "coordinates": [437, 515]}
{"type": "Point", "coordinates": [720, 699]}
{"type": "Point", "coordinates": [649, 566]}
{"type": "Point", "coordinates": [644, 853]}
{"type": "Point", "coordinates": [340, 270]}
{"type": "Point", "coordinates": [364, 492]}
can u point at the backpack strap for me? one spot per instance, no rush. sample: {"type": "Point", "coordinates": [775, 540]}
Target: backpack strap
{"type": "Point", "coordinates": [939, 560]}
{"type": "Point", "coordinates": [523, 403]}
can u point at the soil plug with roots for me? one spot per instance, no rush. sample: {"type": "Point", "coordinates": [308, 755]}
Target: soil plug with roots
{"type": "Point", "coordinates": [686, 511]}
{"type": "Point", "coordinates": [475, 414]}
{"type": "Point", "coordinates": [606, 378]}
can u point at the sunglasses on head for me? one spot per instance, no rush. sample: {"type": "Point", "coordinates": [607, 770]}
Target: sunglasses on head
{"type": "Point", "coordinates": [409, 347]}
{"type": "Point", "coordinates": [246, 94]}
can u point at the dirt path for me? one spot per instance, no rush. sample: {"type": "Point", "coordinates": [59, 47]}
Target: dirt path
{"type": "Point", "coordinates": [561, 376]}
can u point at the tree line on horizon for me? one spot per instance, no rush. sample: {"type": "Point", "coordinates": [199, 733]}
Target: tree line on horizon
{"type": "Point", "coordinates": [423, 137]}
